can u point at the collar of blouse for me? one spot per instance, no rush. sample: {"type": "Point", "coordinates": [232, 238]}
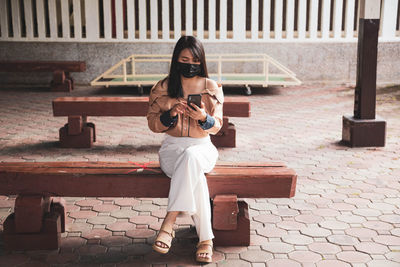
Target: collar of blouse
{"type": "Point", "coordinates": [159, 91]}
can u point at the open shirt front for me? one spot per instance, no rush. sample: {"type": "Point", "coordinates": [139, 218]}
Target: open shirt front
{"type": "Point", "coordinates": [160, 121]}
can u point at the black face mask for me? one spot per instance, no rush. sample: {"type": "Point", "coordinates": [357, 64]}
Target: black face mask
{"type": "Point", "coordinates": [189, 70]}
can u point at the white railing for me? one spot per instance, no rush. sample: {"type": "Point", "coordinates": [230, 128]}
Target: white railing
{"type": "Point", "coordinates": [209, 20]}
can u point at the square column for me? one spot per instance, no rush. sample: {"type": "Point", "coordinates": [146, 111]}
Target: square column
{"type": "Point", "coordinates": [363, 129]}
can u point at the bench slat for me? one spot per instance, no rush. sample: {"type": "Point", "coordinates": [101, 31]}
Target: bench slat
{"type": "Point", "coordinates": [130, 106]}
{"type": "Point", "coordinates": [75, 181]}
{"type": "Point", "coordinates": [139, 171]}
{"type": "Point", "coordinates": [42, 66]}
{"type": "Point", "coordinates": [128, 165]}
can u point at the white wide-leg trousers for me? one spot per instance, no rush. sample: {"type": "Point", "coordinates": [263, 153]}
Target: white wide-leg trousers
{"type": "Point", "coordinates": [185, 160]}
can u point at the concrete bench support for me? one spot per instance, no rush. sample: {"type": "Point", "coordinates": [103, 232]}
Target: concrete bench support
{"type": "Point", "coordinates": [226, 137]}
{"type": "Point", "coordinates": [231, 223]}
{"type": "Point", "coordinates": [37, 223]}
{"type": "Point", "coordinates": [39, 219]}
{"type": "Point", "coordinates": [77, 133]}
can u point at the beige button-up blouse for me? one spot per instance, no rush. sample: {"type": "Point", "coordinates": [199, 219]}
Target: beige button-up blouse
{"type": "Point", "coordinates": [160, 102]}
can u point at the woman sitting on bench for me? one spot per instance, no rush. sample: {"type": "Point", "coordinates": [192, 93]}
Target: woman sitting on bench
{"type": "Point", "coordinates": [186, 152]}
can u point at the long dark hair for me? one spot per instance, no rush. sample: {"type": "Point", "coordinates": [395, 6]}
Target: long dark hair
{"type": "Point", "coordinates": [174, 77]}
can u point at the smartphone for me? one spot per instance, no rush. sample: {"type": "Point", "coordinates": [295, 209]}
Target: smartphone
{"type": "Point", "coordinates": [195, 99]}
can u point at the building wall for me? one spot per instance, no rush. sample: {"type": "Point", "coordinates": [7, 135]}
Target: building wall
{"type": "Point", "coordinates": [312, 62]}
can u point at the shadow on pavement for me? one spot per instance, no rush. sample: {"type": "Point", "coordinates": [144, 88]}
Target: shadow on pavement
{"type": "Point", "coordinates": [53, 147]}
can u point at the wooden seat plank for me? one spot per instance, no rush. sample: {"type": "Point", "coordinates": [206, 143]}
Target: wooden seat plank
{"type": "Point", "coordinates": [106, 164]}
{"type": "Point", "coordinates": [42, 66]}
{"type": "Point", "coordinates": [89, 180]}
{"type": "Point", "coordinates": [130, 106]}
{"type": "Point", "coordinates": [233, 172]}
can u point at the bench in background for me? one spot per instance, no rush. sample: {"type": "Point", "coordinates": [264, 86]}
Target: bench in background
{"type": "Point", "coordinates": [62, 80]}
{"type": "Point", "coordinates": [39, 217]}
{"type": "Point", "coordinates": [79, 133]}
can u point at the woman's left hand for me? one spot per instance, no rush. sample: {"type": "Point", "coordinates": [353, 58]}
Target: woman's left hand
{"type": "Point", "coordinates": [198, 114]}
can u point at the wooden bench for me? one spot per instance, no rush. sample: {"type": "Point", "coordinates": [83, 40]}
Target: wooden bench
{"type": "Point", "coordinates": [39, 216]}
{"type": "Point", "coordinates": [79, 133]}
{"type": "Point", "coordinates": [62, 80]}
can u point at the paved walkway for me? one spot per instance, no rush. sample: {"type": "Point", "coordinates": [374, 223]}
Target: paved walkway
{"type": "Point", "coordinates": [346, 211]}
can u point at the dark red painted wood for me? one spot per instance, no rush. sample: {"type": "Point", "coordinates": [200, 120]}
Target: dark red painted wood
{"type": "Point", "coordinates": [42, 66]}
{"type": "Point", "coordinates": [139, 180]}
{"type": "Point", "coordinates": [367, 53]}
{"type": "Point", "coordinates": [363, 133]}
{"type": "Point", "coordinates": [121, 165]}
{"type": "Point", "coordinates": [83, 140]}
{"type": "Point", "coordinates": [75, 125]}
{"type": "Point", "coordinates": [226, 137]}
{"type": "Point", "coordinates": [130, 106]}
{"type": "Point", "coordinates": [49, 238]}
{"type": "Point", "coordinates": [241, 235]}
{"type": "Point", "coordinates": [225, 212]}
{"type": "Point", "coordinates": [58, 205]}
{"type": "Point", "coordinates": [29, 210]}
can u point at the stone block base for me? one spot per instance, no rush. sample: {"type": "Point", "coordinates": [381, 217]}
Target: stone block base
{"type": "Point", "coordinates": [62, 82]}
{"type": "Point", "coordinates": [62, 87]}
{"type": "Point", "coordinates": [225, 212]}
{"type": "Point", "coordinates": [227, 138]}
{"type": "Point", "coordinates": [48, 238]}
{"type": "Point", "coordinates": [241, 235]}
{"type": "Point", "coordinates": [363, 133]}
{"type": "Point", "coordinates": [83, 140]}
{"type": "Point", "coordinates": [58, 206]}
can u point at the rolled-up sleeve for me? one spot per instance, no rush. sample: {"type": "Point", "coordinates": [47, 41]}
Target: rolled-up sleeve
{"type": "Point", "coordinates": [216, 111]}
{"type": "Point", "coordinates": [154, 113]}
{"type": "Point", "coordinates": [167, 120]}
{"type": "Point", "coordinates": [208, 123]}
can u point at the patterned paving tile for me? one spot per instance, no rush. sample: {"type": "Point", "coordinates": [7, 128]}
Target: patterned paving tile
{"type": "Point", "coordinates": [346, 211]}
{"type": "Point", "coordinates": [372, 248]}
{"type": "Point", "coordinates": [324, 248]}
{"type": "Point", "coordinates": [305, 256]}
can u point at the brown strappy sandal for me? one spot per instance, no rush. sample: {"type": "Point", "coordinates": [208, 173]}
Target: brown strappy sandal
{"type": "Point", "coordinates": [205, 247]}
{"type": "Point", "coordinates": [163, 237]}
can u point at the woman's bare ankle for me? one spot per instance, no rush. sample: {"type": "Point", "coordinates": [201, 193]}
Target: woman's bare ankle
{"type": "Point", "coordinates": [167, 228]}
{"type": "Point", "coordinates": [208, 241]}
{"type": "Point", "coordinates": [169, 221]}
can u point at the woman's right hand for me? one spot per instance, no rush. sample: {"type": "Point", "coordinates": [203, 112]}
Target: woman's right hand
{"type": "Point", "coordinates": [178, 108]}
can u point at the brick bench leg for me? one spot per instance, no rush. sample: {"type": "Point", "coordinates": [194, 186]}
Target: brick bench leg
{"type": "Point", "coordinates": [77, 133]}
{"type": "Point", "coordinates": [69, 77]}
{"type": "Point", "coordinates": [226, 137]}
{"type": "Point", "coordinates": [36, 223]}
{"type": "Point", "coordinates": [62, 82]}
{"type": "Point", "coordinates": [231, 223]}
{"type": "Point", "coordinates": [58, 206]}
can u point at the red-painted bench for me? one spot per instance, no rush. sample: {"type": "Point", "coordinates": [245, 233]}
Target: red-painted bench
{"type": "Point", "coordinates": [39, 217]}
{"type": "Point", "coordinates": [78, 133]}
{"type": "Point", "coordinates": [62, 80]}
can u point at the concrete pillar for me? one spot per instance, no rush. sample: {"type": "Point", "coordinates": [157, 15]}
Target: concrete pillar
{"type": "Point", "coordinates": [364, 129]}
